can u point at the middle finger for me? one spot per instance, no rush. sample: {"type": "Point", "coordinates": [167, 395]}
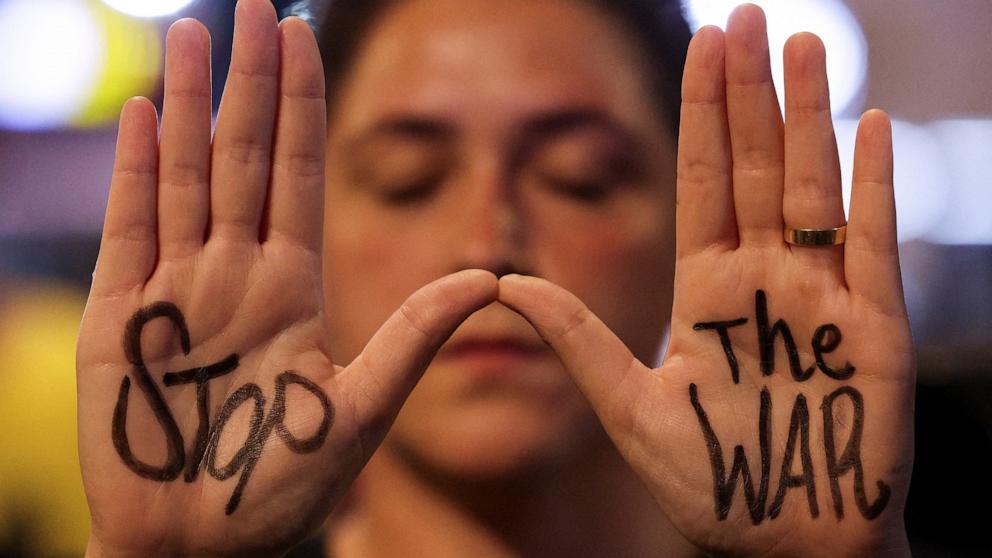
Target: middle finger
{"type": "Point", "coordinates": [755, 129]}
{"type": "Point", "coordinates": [243, 140]}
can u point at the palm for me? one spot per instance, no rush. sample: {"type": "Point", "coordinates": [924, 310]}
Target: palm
{"type": "Point", "coordinates": [212, 418]}
{"type": "Point", "coordinates": [875, 344]}
{"type": "Point", "coordinates": [260, 304]}
{"type": "Point", "coordinates": [811, 485]}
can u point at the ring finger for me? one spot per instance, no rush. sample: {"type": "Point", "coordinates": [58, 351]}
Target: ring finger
{"type": "Point", "coordinates": [812, 197]}
{"type": "Point", "coordinates": [243, 140]}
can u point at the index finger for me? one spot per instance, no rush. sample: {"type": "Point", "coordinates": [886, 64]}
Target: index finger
{"type": "Point", "coordinates": [598, 361]}
{"type": "Point", "coordinates": [128, 248]}
{"type": "Point", "coordinates": [705, 215]}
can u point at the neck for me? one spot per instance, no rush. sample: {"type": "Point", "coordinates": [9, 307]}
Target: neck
{"type": "Point", "coordinates": [594, 506]}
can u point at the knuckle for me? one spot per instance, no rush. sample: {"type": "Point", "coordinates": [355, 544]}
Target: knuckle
{"type": "Point", "coordinates": [136, 231]}
{"type": "Point", "coordinates": [193, 92]}
{"type": "Point", "coordinates": [754, 157]}
{"type": "Point", "coordinates": [235, 222]}
{"type": "Point", "coordinates": [877, 246]}
{"type": "Point", "coordinates": [179, 185]}
{"type": "Point", "coordinates": [806, 110]}
{"type": "Point", "coordinates": [300, 164]}
{"type": "Point", "coordinates": [703, 99]}
{"type": "Point", "coordinates": [771, 173]}
{"type": "Point", "coordinates": [414, 317]}
{"type": "Point", "coordinates": [245, 150]}
{"type": "Point", "coordinates": [255, 72]}
{"type": "Point", "coordinates": [808, 188]}
{"type": "Point", "coordinates": [872, 181]}
{"type": "Point", "coordinates": [701, 170]}
{"type": "Point", "coordinates": [575, 322]}
{"type": "Point", "coordinates": [136, 171]}
{"type": "Point", "coordinates": [306, 90]}
{"type": "Point", "coordinates": [751, 81]}
{"type": "Point", "coordinates": [184, 174]}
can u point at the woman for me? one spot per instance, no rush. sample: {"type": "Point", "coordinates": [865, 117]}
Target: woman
{"type": "Point", "coordinates": [472, 147]}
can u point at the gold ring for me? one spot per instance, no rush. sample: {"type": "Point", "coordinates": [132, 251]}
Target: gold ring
{"type": "Point", "coordinates": [816, 237]}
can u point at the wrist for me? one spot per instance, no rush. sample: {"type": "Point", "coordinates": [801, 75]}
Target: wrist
{"type": "Point", "coordinates": [97, 549]}
{"type": "Point", "coordinates": [897, 546]}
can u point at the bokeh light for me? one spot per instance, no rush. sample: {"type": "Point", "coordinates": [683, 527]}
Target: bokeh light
{"type": "Point", "coordinates": [148, 8]}
{"type": "Point", "coordinates": [41, 491]}
{"type": "Point", "coordinates": [847, 50]}
{"type": "Point", "coordinates": [51, 55]}
{"type": "Point", "coordinates": [132, 66]}
{"type": "Point", "coordinates": [920, 175]}
{"type": "Point", "coordinates": [71, 63]}
{"type": "Point", "coordinates": [965, 144]}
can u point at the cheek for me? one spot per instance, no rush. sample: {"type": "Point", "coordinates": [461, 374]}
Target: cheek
{"type": "Point", "coordinates": [620, 263]}
{"type": "Point", "coordinates": [371, 265]}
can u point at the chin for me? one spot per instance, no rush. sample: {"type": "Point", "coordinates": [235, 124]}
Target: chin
{"type": "Point", "coordinates": [495, 433]}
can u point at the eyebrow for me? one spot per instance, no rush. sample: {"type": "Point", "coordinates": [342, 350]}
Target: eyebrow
{"type": "Point", "coordinates": [536, 128]}
{"type": "Point", "coordinates": [404, 127]}
{"type": "Point", "coordinates": [561, 122]}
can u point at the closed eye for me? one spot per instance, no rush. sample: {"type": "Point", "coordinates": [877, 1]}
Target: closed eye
{"type": "Point", "coordinates": [586, 191]}
{"type": "Point", "coordinates": [411, 193]}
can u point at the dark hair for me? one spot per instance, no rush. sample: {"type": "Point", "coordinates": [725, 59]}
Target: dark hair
{"type": "Point", "coordinates": [658, 26]}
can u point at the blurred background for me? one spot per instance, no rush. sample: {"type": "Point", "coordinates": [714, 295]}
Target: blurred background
{"type": "Point", "coordinates": [66, 66]}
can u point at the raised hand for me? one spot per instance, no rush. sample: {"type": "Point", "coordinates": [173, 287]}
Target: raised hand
{"type": "Point", "coordinates": [780, 423]}
{"type": "Point", "coordinates": [212, 420]}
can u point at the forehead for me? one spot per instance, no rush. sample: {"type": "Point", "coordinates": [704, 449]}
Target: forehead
{"type": "Point", "coordinates": [494, 59]}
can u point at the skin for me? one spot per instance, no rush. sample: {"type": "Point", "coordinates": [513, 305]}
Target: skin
{"type": "Point", "coordinates": [184, 224]}
{"type": "Point", "coordinates": [488, 182]}
{"type": "Point", "coordinates": [733, 203]}
{"type": "Point", "coordinates": [503, 192]}
{"type": "Point", "coordinates": [230, 232]}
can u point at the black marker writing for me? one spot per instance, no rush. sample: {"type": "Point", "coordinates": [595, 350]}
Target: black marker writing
{"type": "Point", "coordinates": [132, 349]}
{"type": "Point", "coordinates": [766, 341]}
{"type": "Point", "coordinates": [203, 453]}
{"type": "Point", "coordinates": [851, 458]}
{"type": "Point", "coordinates": [826, 339]}
{"type": "Point", "coordinates": [798, 425]}
{"type": "Point", "coordinates": [202, 377]}
{"type": "Point", "coordinates": [259, 430]}
{"type": "Point", "coordinates": [728, 349]}
{"type": "Point", "coordinates": [724, 485]}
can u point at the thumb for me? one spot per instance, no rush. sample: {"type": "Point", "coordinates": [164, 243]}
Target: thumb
{"type": "Point", "coordinates": [599, 362]}
{"type": "Point", "coordinates": [382, 376]}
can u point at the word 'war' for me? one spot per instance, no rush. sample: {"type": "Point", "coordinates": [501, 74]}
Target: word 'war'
{"type": "Point", "coordinates": [849, 461]}
{"type": "Point", "coordinates": [204, 450]}
{"type": "Point", "coordinates": [825, 340]}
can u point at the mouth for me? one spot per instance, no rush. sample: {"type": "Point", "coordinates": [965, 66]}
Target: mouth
{"type": "Point", "coordinates": [493, 353]}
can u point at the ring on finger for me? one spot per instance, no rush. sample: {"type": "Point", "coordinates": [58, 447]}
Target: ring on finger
{"type": "Point", "coordinates": [816, 237]}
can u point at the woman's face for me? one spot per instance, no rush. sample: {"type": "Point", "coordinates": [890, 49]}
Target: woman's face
{"type": "Point", "coordinates": [514, 136]}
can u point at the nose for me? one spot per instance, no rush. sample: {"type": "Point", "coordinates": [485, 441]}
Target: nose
{"type": "Point", "coordinates": [493, 233]}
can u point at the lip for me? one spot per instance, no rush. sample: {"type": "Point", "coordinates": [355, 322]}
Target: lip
{"type": "Point", "coordinates": [496, 352]}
